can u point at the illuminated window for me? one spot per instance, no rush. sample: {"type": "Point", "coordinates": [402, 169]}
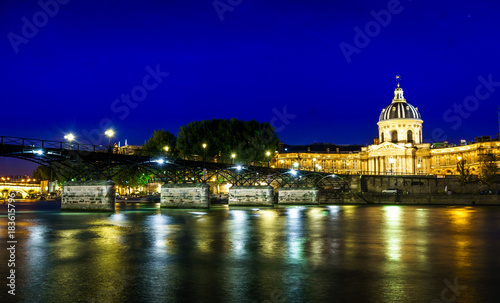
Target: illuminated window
{"type": "Point", "coordinates": [438, 161]}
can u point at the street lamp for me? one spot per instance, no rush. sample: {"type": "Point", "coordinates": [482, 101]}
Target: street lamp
{"type": "Point", "coordinates": [461, 169]}
{"type": "Point", "coordinates": [110, 133]}
{"type": "Point", "coordinates": [166, 148]}
{"type": "Point", "coordinates": [392, 161]}
{"type": "Point", "coordinates": [314, 164]}
{"type": "Point", "coordinates": [296, 165]}
{"type": "Point", "coordinates": [268, 153]}
{"type": "Point", "coordinates": [282, 163]}
{"type": "Point", "coordinates": [232, 158]}
{"type": "Point", "coordinates": [204, 145]}
{"type": "Point", "coordinates": [70, 137]}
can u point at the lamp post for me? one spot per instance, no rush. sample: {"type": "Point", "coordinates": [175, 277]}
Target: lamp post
{"type": "Point", "coordinates": [166, 148]}
{"type": "Point", "coordinates": [392, 161]}
{"type": "Point", "coordinates": [204, 145]}
{"type": "Point", "coordinates": [296, 165]}
{"type": "Point", "coordinates": [314, 164]}
{"type": "Point", "coordinates": [110, 133]}
{"type": "Point", "coordinates": [268, 153]}
{"type": "Point", "coordinates": [70, 137]}
{"type": "Point", "coordinates": [232, 158]}
{"type": "Point", "coordinates": [282, 163]}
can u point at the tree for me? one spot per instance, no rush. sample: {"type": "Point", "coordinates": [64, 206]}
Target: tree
{"type": "Point", "coordinates": [487, 168]}
{"type": "Point", "coordinates": [464, 173]}
{"type": "Point", "coordinates": [132, 177]}
{"type": "Point", "coordinates": [249, 140]}
{"type": "Point", "coordinates": [43, 173]}
{"type": "Point", "coordinates": [156, 145]}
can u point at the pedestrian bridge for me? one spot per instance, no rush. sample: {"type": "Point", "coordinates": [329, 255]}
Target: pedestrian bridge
{"type": "Point", "coordinates": [76, 162]}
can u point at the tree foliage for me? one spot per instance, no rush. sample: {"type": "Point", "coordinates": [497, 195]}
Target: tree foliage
{"type": "Point", "coordinates": [249, 140]}
{"type": "Point", "coordinates": [487, 168]}
{"type": "Point", "coordinates": [132, 177]}
{"type": "Point", "coordinates": [155, 146]}
{"type": "Point", "coordinates": [43, 173]}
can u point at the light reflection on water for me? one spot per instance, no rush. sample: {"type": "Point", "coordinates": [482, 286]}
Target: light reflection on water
{"type": "Point", "coordinates": [292, 254]}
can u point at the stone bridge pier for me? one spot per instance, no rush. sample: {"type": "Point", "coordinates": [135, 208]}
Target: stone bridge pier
{"type": "Point", "coordinates": [298, 196]}
{"type": "Point", "coordinates": [187, 195]}
{"type": "Point", "coordinates": [89, 196]}
{"type": "Point", "coordinates": [251, 196]}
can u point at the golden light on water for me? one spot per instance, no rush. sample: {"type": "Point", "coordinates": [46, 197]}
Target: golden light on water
{"type": "Point", "coordinates": [393, 232]}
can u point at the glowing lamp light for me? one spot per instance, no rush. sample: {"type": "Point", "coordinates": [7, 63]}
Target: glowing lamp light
{"type": "Point", "coordinates": [204, 145]}
{"type": "Point", "coordinates": [110, 133]}
{"type": "Point", "coordinates": [268, 153]}
{"type": "Point", "coordinates": [160, 161]}
{"type": "Point", "coordinates": [238, 167]}
{"type": "Point", "coordinates": [293, 172]}
{"type": "Point", "coordinates": [233, 156]}
{"type": "Point", "coordinates": [38, 152]}
{"type": "Point", "coordinates": [70, 137]}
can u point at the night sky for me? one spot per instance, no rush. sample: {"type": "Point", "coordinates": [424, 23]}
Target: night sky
{"type": "Point", "coordinates": [320, 71]}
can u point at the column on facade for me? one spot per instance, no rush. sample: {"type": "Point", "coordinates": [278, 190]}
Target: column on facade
{"type": "Point", "coordinates": [380, 165]}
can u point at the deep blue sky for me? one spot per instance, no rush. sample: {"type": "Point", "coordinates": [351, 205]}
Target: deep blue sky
{"type": "Point", "coordinates": [263, 55]}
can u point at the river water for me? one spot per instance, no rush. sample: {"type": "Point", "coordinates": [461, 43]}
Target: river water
{"type": "Point", "coordinates": [282, 254]}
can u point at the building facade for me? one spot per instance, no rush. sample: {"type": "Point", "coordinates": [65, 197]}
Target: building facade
{"type": "Point", "coordinates": [398, 150]}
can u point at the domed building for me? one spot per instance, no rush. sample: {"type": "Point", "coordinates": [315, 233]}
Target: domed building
{"type": "Point", "coordinates": [400, 121]}
{"type": "Point", "coordinates": [398, 149]}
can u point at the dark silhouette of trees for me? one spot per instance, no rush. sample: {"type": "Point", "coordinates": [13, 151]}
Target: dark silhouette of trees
{"type": "Point", "coordinates": [487, 168]}
{"type": "Point", "coordinates": [162, 143]}
{"type": "Point", "coordinates": [248, 140]}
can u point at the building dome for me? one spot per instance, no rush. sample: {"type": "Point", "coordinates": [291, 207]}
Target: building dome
{"type": "Point", "coordinates": [399, 108]}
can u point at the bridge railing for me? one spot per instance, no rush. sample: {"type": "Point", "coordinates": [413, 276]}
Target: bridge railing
{"type": "Point", "coordinates": [37, 143]}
